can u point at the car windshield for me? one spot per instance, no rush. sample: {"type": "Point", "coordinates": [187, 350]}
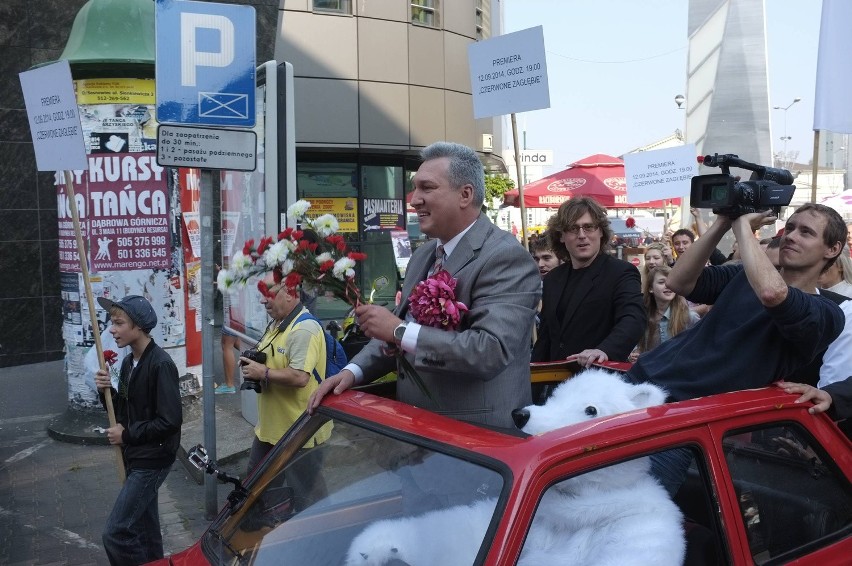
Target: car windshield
{"type": "Point", "coordinates": [350, 500]}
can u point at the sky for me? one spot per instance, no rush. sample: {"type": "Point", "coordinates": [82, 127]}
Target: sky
{"type": "Point", "coordinates": [615, 66]}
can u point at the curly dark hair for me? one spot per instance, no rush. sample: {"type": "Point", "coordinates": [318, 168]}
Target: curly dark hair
{"type": "Point", "coordinates": [568, 214]}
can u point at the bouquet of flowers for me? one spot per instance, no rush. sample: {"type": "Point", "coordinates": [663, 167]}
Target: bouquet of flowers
{"type": "Point", "coordinates": [316, 257]}
{"type": "Point", "coordinates": [110, 358]}
{"type": "Point", "coordinates": [433, 303]}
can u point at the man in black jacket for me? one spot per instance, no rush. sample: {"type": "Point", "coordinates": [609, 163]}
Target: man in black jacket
{"type": "Point", "coordinates": [591, 304]}
{"type": "Point", "coordinates": [148, 419]}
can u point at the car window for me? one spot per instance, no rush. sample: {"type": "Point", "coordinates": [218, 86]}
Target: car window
{"type": "Point", "coordinates": [360, 494]}
{"type": "Point", "coordinates": [792, 499]}
{"type": "Point", "coordinates": [622, 509]}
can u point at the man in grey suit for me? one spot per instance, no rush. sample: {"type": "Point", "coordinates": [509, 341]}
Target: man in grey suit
{"type": "Point", "coordinates": [479, 372]}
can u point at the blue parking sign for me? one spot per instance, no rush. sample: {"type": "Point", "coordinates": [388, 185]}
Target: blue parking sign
{"type": "Point", "coordinates": [205, 63]}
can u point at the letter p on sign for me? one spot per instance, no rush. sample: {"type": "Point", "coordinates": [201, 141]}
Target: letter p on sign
{"type": "Point", "coordinates": [193, 25]}
{"type": "Point", "coordinates": [204, 76]}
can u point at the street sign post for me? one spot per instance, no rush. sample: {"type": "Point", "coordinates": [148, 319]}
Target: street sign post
{"type": "Point", "coordinates": [204, 75]}
{"type": "Point", "coordinates": [206, 148]}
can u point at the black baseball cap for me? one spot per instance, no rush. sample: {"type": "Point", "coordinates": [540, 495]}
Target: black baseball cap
{"type": "Point", "coordinates": [137, 308]}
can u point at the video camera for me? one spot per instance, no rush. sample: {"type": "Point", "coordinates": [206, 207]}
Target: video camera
{"type": "Point", "coordinates": [769, 188]}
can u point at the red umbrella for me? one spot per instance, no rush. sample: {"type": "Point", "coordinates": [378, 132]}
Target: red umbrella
{"type": "Point", "coordinates": [598, 176]}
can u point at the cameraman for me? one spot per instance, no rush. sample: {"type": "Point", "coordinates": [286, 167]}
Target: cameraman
{"type": "Point", "coordinates": [765, 323]}
{"type": "Point", "coordinates": [293, 351]}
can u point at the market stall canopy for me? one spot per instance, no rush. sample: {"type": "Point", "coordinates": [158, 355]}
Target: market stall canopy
{"type": "Point", "coordinates": [598, 176]}
{"type": "Point", "coordinates": [841, 202]}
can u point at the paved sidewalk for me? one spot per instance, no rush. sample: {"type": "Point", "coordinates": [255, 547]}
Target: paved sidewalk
{"type": "Point", "coordinates": [55, 496]}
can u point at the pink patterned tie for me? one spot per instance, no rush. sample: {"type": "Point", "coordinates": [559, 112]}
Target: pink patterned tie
{"type": "Point", "coordinates": [439, 260]}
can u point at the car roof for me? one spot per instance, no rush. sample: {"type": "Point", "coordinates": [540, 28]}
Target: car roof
{"type": "Point", "coordinates": [598, 433]}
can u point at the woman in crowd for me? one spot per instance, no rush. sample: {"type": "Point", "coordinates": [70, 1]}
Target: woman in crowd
{"type": "Point", "coordinates": [656, 254]}
{"type": "Point", "coordinates": [838, 277]}
{"type": "Point", "coordinates": [668, 313]}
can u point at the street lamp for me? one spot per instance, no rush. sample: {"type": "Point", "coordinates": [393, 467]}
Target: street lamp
{"type": "Point", "coordinates": [679, 100]}
{"type": "Point", "coordinates": [785, 138]}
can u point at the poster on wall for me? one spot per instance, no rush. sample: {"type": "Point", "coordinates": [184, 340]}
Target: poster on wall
{"type": "Point", "coordinates": [130, 218]}
{"type": "Point", "coordinates": [384, 214]}
{"type": "Point", "coordinates": [125, 214]}
{"type": "Point", "coordinates": [344, 209]}
{"type": "Point", "coordinates": [401, 250]}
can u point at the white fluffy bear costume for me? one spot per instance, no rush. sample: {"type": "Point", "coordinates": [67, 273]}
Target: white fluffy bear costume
{"type": "Point", "coordinates": [617, 515]}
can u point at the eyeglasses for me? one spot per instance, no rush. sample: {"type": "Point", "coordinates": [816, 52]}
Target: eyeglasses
{"type": "Point", "coordinates": [586, 228]}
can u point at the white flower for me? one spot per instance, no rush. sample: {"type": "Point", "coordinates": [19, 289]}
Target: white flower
{"type": "Point", "coordinates": [225, 281]}
{"type": "Point", "coordinates": [286, 266]}
{"type": "Point", "coordinates": [240, 262]}
{"type": "Point", "coordinates": [278, 252]}
{"type": "Point", "coordinates": [324, 257]}
{"type": "Point", "coordinates": [298, 209]}
{"type": "Point", "coordinates": [343, 268]}
{"type": "Point", "coordinates": [325, 225]}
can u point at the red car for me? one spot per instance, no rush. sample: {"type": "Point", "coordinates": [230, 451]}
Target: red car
{"type": "Point", "coordinates": [769, 483]}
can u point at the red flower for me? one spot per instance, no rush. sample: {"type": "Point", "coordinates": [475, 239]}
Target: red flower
{"type": "Point", "coordinates": [357, 256]}
{"type": "Point", "coordinates": [297, 234]}
{"type": "Point", "coordinates": [630, 222]}
{"type": "Point", "coordinates": [110, 357]}
{"type": "Point", "coordinates": [265, 242]}
{"type": "Point", "coordinates": [326, 266]}
{"type": "Point", "coordinates": [433, 302]}
{"type": "Point", "coordinates": [285, 234]}
{"type": "Point", "coordinates": [303, 245]}
{"type": "Point", "coordinates": [292, 280]}
{"type": "Point", "coordinates": [248, 247]}
{"type": "Point", "coordinates": [264, 290]}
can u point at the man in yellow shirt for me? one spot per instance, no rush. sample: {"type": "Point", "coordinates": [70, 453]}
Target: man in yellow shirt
{"type": "Point", "coordinates": [295, 351]}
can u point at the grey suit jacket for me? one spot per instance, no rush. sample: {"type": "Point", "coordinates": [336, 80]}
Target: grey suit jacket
{"type": "Point", "coordinates": [480, 372]}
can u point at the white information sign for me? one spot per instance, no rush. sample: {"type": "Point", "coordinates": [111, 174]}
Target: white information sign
{"type": "Point", "coordinates": [54, 119]}
{"type": "Point", "coordinates": [508, 73]}
{"type": "Point", "coordinates": [660, 174]}
{"type": "Point", "coordinates": [206, 148]}
{"type": "Point", "coordinates": [536, 157]}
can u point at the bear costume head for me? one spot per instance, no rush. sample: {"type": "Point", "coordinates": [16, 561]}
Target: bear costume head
{"type": "Point", "coordinates": [588, 395]}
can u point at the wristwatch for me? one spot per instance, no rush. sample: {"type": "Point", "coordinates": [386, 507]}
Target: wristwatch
{"type": "Point", "coordinates": [398, 333]}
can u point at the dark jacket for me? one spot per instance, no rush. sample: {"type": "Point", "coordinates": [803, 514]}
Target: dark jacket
{"type": "Point", "coordinates": [605, 312]}
{"type": "Point", "coordinates": [148, 405]}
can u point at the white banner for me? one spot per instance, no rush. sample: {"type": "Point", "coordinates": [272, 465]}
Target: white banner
{"type": "Point", "coordinates": [832, 109]}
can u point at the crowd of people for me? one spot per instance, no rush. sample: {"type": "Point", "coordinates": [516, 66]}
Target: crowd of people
{"type": "Point", "coordinates": [684, 320]}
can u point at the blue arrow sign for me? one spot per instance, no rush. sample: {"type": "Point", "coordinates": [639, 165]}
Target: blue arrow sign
{"type": "Point", "coordinates": [205, 63]}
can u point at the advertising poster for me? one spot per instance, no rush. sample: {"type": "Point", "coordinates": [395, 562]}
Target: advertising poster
{"type": "Point", "coordinates": [401, 250]}
{"type": "Point", "coordinates": [384, 214]}
{"type": "Point", "coordinates": [125, 214]}
{"type": "Point", "coordinates": [129, 210]}
{"type": "Point", "coordinates": [344, 209]}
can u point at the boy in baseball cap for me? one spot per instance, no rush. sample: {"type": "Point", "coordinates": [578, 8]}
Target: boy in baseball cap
{"type": "Point", "coordinates": [149, 416]}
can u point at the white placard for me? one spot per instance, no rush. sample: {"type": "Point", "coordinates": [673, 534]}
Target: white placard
{"type": "Point", "coordinates": [508, 73]}
{"type": "Point", "coordinates": [660, 174]}
{"type": "Point", "coordinates": [54, 118]}
{"type": "Point", "coordinates": [206, 148]}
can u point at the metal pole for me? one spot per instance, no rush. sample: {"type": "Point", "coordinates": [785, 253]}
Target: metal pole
{"type": "Point", "coordinates": [815, 167]}
{"type": "Point", "coordinates": [520, 185]}
{"type": "Point", "coordinates": [211, 500]}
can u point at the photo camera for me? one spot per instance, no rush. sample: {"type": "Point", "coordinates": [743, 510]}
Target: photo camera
{"type": "Point", "coordinates": [255, 356]}
{"type": "Point", "coordinates": [769, 188]}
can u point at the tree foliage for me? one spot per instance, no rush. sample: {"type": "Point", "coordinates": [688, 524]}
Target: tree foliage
{"type": "Point", "coordinates": [496, 186]}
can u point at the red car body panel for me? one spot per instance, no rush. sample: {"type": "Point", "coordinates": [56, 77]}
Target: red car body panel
{"type": "Point", "coordinates": [538, 461]}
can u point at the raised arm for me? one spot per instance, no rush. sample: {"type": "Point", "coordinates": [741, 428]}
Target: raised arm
{"type": "Point", "coordinates": [767, 283]}
{"type": "Point", "coordinates": [688, 267]}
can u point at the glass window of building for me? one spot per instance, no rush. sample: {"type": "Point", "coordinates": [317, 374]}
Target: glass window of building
{"type": "Point", "coordinates": [425, 12]}
{"type": "Point", "coordinates": [383, 211]}
{"type": "Point", "coordinates": [336, 6]}
{"type": "Point", "coordinates": [331, 188]}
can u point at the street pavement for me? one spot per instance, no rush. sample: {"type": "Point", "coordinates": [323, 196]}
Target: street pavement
{"type": "Point", "coordinates": [55, 495]}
